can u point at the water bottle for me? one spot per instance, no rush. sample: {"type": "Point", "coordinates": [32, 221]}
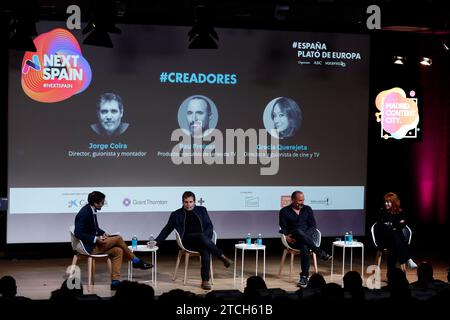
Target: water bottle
{"type": "Point", "coordinates": [259, 240]}
{"type": "Point", "coordinates": [248, 240]}
{"type": "Point", "coordinates": [346, 238]}
{"type": "Point", "coordinates": [350, 237]}
{"type": "Point", "coordinates": [151, 241]}
{"type": "Point", "coordinates": [134, 242]}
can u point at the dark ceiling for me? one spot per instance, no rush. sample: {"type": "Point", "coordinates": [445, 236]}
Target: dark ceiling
{"type": "Point", "coordinates": [311, 15]}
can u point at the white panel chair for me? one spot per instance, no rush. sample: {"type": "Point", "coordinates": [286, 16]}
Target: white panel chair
{"type": "Point", "coordinates": [80, 252]}
{"type": "Point", "coordinates": [187, 254]}
{"type": "Point", "coordinates": [407, 233]}
{"type": "Point", "coordinates": [317, 238]}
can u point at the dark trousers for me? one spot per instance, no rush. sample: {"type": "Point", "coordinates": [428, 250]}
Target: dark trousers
{"type": "Point", "coordinates": [304, 243]}
{"type": "Point", "coordinates": [398, 248]}
{"type": "Point", "coordinates": [201, 243]}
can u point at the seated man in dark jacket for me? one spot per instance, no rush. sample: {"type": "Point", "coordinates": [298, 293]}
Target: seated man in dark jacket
{"type": "Point", "coordinates": [96, 241]}
{"type": "Point", "coordinates": [297, 223]}
{"type": "Point", "coordinates": [196, 229]}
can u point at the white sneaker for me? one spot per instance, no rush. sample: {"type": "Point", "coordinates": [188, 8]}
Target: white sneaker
{"type": "Point", "coordinates": [411, 264]}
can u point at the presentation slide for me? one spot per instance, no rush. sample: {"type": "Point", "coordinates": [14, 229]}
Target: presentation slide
{"type": "Point", "coordinates": [242, 126]}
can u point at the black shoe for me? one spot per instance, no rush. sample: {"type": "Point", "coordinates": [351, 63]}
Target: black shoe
{"type": "Point", "coordinates": [142, 265]}
{"type": "Point", "coordinates": [115, 285]}
{"type": "Point", "coordinates": [226, 262]}
{"type": "Point", "coordinates": [303, 281]}
{"type": "Point", "coordinates": [205, 285]}
{"type": "Point", "coordinates": [326, 257]}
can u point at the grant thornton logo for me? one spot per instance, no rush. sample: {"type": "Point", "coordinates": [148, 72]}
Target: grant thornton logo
{"type": "Point", "coordinates": [57, 70]}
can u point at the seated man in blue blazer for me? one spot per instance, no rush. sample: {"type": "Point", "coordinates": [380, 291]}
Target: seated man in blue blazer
{"type": "Point", "coordinates": [196, 229]}
{"type": "Point", "coordinates": [96, 241]}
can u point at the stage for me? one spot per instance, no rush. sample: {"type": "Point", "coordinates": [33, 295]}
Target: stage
{"type": "Point", "coordinates": [37, 278]}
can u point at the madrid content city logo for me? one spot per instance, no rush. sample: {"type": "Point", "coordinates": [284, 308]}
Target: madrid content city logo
{"type": "Point", "coordinates": [58, 70]}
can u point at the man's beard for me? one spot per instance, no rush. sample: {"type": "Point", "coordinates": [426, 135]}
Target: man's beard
{"type": "Point", "coordinates": [197, 128]}
{"type": "Point", "coordinates": [111, 128]}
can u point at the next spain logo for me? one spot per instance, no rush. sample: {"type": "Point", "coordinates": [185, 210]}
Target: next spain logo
{"type": "Point", "coordinates": [399, 115]}
{"type": "Point", "coordinates": [57, 70]}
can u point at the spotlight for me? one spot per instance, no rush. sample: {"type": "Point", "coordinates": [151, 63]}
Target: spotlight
{"type": "Point", "coordinates": [281, 11]}
{"type": "Point", "coordinates": [399, 60]}
{"type": "Point", "coordinates": [99, 38]}
{"type": "Point", "coordinates": [99, 30]}
{"type": "Point", "coordinates": [426, 61]}
{"type": "Point", "coordinates": [203, 39]}
{"type": "Point", "coordinates": [108, 26]}
{"type": "Point", "coordinates": [23, 31]}
{"type": "Point", "coordinates": [202, 35]}
{"type": "Point", "coordinates": [99, 35]}
{"type": "Point", "coordinates": [445, 46]}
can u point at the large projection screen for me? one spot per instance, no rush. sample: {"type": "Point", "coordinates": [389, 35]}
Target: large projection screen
{"type": "Point", "coordinates": [242, 126]}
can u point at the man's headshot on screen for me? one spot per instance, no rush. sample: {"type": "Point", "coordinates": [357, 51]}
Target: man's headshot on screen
{"type": "Point", "coordinates": [109, 116]}
{"type": "Point", "coordinates": [197, 116]}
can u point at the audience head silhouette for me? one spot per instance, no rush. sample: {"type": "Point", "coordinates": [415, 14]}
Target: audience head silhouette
{"type": "Point", "coordinates": [316, 281]}
{"type": "Point", "coordinates": [352, 281]}
{"type": "Point", "coordinates": [398, 284]}
{"type": "Point", "coordinates": [67, 292]}
{"type": "Point", "coordinates": [425, 272]}
{"type": "Point", "coordinates": [8, 287]}
{"type": "Point", "coordinates": [131, 292]}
